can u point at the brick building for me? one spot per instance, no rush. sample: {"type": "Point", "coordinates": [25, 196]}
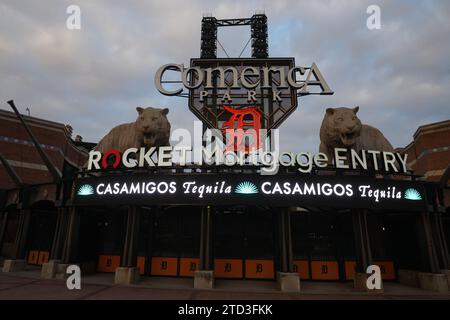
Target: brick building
{"type": "Point", "coordinates": [429, 153]}
{"type": "Point", "coordinates": [17, 147]}
{"type": "Point", "coordinates": [34, 180]}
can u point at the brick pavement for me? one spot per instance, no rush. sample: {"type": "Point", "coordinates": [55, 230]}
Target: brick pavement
{"type": "Point", "coordinates": [18, 286]}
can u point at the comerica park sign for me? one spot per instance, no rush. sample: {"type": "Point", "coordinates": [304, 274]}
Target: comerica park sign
{"type": "Point", "coordinates": [215, 86]}
{"type": "Point", "coordinates": [229, 189]}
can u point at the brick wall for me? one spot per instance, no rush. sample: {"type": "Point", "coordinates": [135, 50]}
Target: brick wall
{"type": "Point", "coordinates": [17, 147]}
{"type": "Point", "coordinates": [429, 152]}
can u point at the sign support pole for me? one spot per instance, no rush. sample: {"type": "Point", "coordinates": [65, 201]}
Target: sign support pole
{"type": "Point", "coordinates": [202, 240]}
{"type": "Point", "coordinates": [3, 229]}
{"type": "Point", "coordinates": [22, 232]}
{"type": "Point", "coordinates": [68, 255]}
{"type": "Point", "coordinates": [362, 242]}
{"type": "Point", "coordinates": [205, 239]}
{"type": "Point", "coordinates": [60, 230]}
{"type": "Point", "coordinates": [431, 250]}
{"type": "Point", "coordinates": [208, 239]}
{"type": "Point", "coordinates": [438, 207]}
{"type": "Point", "coordinates": [129, 256]}
{"type": "Point", "coordinates": [204, 277]}
{"type": "Point", "coordinates": [444, 248]}
{"type": "Point", "coordinates": [290, 253]}
{"type": "Point", "coordinates": [287, 261]}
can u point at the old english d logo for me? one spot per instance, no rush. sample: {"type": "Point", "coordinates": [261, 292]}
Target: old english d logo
{"type": "Point", "coordinates": [242, 123]}
{"type": "Point", "coordinates": [259, 268]}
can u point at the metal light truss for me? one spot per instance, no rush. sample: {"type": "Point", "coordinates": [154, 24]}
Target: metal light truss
{"type": "Point", "coordinates": [234, 22]}
{"type": "Point", "coordinates": [208, 47]}
{"type": "Point", "coordinates": [260, 48]}
{"type": "Point", "coordinates": [257, 23]}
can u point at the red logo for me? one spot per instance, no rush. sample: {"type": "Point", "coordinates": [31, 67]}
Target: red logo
{"type": "Point", "coordinates": [242, 123]}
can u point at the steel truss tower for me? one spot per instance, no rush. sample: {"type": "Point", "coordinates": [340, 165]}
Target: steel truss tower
{"type": "Point", "coordinates": [258, 27]}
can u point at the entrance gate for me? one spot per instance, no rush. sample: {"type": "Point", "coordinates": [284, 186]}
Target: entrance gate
{"type": "Point", "coordinates": [244, 243]}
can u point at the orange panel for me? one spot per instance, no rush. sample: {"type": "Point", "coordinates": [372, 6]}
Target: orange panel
{"type": "Point", "coordinates": [259, 269]}
{"type": "Point", "coordinates": [387, 269]}
{"type": "Point", "coordinates": [162, 266]}
{"type": "Point", "coordinates": [188, 266]}
{"type": "Point", "coordinates": [108, 263]}
{"type": "Point", "coordinates": [228, 268]}
{"type": "Point", "coordinates": [302, 268]}
{"type": "Point", "coordinates": [350, 269]}
{"type": "Point", "coordinates": [33, 257]}
{"type": "Point", "coordinates": [325, 270]}
{"type": "Point", "coordinates": [43, 257]}
{"type": "Point", "coordinates": [141, 264]}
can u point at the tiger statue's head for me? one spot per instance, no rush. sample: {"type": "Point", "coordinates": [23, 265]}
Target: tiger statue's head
{"type": "Point", "coordinates": [340, 127]}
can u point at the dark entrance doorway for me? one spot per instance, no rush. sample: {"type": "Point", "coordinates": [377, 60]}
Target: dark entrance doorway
{"type": "Point", "coordinates": [382, 234]}
{"type": "Point", "coordinates": [403, 232]}
{"type": "Point", "coordinates": [41, 231]}
{"type": "Point", "coordinates": [323, 245]}
{"type": "Point", "coordinates": [243, 243]}
{"type": "Point", "coordinates": [173, 247]}
{"type": "Point", "coordinates": [101, 236]}
{"type": "Point", "coordinates": [9, 232]}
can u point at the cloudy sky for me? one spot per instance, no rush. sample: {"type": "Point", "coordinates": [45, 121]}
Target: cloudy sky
{"type": "Point", "coordinates": [94, 78]}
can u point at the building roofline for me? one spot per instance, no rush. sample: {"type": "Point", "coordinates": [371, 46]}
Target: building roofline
{"type": "Point", "coordinates": [32, 119]}
{"type": "Point", "coordinates": [43, 122]}
{"type": "Point", "coordinates": [421, 130]}
{"type": "Point", "coordinates": [431, 126]}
